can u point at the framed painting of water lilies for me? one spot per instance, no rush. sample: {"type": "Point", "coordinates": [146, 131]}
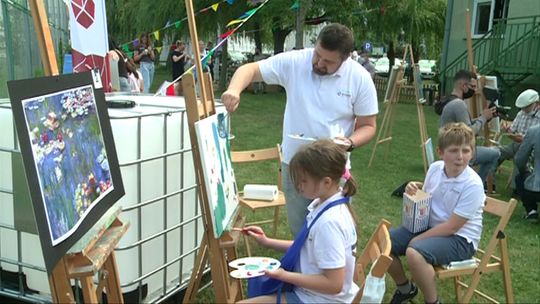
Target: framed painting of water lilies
{"type": "Point", "coordinates": [69, 156]}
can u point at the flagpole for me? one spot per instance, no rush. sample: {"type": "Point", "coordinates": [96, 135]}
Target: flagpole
{"type": "Point", "coordinates": [43, 33]}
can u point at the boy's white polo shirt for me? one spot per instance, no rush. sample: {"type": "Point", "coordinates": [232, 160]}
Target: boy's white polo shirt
{"type": "Point", "coordinates": [319, 106]}
{"type": "Point", "coordinates": [462, 195]}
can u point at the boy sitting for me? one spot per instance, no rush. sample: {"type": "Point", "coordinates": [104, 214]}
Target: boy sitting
{"type": "Point", "coordinates": [455, 223]}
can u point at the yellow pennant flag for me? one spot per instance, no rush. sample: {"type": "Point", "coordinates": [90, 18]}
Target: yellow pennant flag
{"type": "Point", "coordinates": [215, 6]}
{"type": "Point", "coordinates": [158, 49]}
{"type": "Point", "coordinates": [156, 35]}
{"type": "Point", "coordinates": [235, 22]}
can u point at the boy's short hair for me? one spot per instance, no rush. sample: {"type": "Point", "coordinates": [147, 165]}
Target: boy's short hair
{"type": "Point", "coordinates": [455, 134]}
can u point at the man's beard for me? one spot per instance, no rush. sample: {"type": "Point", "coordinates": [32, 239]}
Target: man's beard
{"type": "Point", "coordinates": [319, 71]}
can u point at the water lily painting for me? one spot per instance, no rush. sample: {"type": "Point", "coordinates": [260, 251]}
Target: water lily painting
{"type": "Point", "coordinates": [69, 157]}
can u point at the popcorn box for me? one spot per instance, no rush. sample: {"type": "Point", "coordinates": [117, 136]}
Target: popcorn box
{"type": "Point", "coordinates": [415, 214]}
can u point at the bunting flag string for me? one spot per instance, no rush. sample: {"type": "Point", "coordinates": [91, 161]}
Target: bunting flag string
{"type": "Point", "coordinates": [224, 37]}
{"type": "Point", "coordinates": [176, 24]}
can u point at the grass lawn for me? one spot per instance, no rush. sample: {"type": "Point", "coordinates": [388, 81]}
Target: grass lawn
{"type": "Point", "coordinates": [257, 124]}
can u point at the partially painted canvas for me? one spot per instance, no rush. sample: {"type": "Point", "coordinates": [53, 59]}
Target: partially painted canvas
{"type": "Point", "coordinates": [212, 135]}
{"type": "Point", "coordinates": [69, 156]}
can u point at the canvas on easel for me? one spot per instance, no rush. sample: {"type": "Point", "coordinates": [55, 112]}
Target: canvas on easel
{"type": "Point", "coordinates": [395, 83]}
{"type": "Point", "coordinates": [213, 140]}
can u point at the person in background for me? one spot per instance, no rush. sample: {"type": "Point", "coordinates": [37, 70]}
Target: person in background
{"type": "Point", "coordinates": [455, 110]}
{"type": "Point", "coordinates": [527, 117]}
{"type": "Point", "coordinates": [326, 260]}
{"type": "Point", "coordinates": [328, 96]}
{"type": "Point", "coordinates": [117, 55]}
{"type": "Point", "coordinates": [144, 55]}
{"type": "Point", "coordinates": [203, 53]}
{"type": "Point", "coordinates": [363, 59]}
{"type": "Point", "coordinates": [178, 57]}
{"type": "Point", "coordinates": [135, 77]}
{"type": "Point", "coordinates": [455, 219]}
{"type": "Point", "coordinates": [529, 174]}
{"type": "Point", "coordinates": [209, 46]}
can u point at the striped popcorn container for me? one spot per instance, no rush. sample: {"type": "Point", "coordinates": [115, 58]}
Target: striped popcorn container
{"type": "Point", "coordinates": [415, 214]}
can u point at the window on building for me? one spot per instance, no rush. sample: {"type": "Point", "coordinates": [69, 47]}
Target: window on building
{"type": "Point", "coordinates": [483, 17]}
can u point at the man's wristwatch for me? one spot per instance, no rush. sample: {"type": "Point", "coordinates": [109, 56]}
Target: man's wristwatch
{"type": "Point", "coordinates": [351, 145]}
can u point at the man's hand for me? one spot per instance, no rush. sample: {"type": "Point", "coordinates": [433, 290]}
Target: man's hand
{"type": "Point", "coordinates": [516, 137]}
{"type": "Point", "coordinates": [489, 113]}
{"type": "Point", "coordinates": [344, 142]}
{"type": "Point", "coordinates": [230, 99]}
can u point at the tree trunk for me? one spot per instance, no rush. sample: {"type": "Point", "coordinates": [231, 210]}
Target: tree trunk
{"type": "Point", "coordinates": [257, 36]}
{"type": "Point", "coordinates": [299, 27]}
{"type": "Point", "coordinates": [391, 53]}
{"type": "Point", "coordinates": [224, 62]}
{"type": "Point", "coordinates": [279, 34]}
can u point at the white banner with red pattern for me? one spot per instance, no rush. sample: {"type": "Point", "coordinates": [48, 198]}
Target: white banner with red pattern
{"type": "Point", "coordinates": [89, 39]}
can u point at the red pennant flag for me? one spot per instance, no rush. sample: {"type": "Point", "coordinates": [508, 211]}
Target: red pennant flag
{"type": "Point", "coordinates": [226, 34]}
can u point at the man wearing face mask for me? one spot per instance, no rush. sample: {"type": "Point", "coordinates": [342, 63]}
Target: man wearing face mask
{"type": "Point", "coordinates": [456, 110]}
{"type": "Point", "coordinates": [329, 95]}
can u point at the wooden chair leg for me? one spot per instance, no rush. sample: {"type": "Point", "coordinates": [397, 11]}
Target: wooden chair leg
{"type": "Point", "coordinates": [276, 220]}
{"type": "Point", "coordinates": [469, 292]}
{"type": "Point", "coordinates": [457, 288]}
{"type": "Point", "coordinates": [509, 293]}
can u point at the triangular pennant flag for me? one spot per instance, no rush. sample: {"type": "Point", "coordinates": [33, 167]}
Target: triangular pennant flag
{"type": "Point", "coordinates": [215, 6]}
{"type": "Point", "coordinates": [230, 2]}
{"type": "Point", "coordinates": [156, 35]}
{"type": "Point", "coordinates": [235, 22]}
{"type": "Point", "coordinates": [158, 49]}
{"type": "Point", "coordinates": [177, 24]}
{"type": "Point", "coordinates": [168, 23]}
{"type": "Point", "coordinates": [136, 42]}
{"type": "Point", "coordinates": [125, 47]}
{"type": "Point", "coordinates": [211, 53]}
{"type": "Point", "coordinates": [295, 6]}
{"type": "Point", "coordinates": [129, 54]}
{"type": "Point", "coordinates": [248, 13]}
{"type": "Point", "coordinates": [204, 62]}
{"type": "Point", "coordinates": [226, 34]}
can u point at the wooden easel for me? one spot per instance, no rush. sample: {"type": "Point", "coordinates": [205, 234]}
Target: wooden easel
{"type": "Point", "coordinates": [385, 131]}
{"type": "Point", "coordinates": [94, 253]}
{"type": "Point", "coordinates": [216, 252]}
{"type": "Point", "coordinates": [96, 257]}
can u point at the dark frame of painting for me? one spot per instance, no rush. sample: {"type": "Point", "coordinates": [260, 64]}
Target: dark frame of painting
{"type": "Point", "coordinates": [44, 92]}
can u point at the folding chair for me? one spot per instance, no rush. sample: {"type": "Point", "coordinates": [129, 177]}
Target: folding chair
{"type": "Point", "coordinates": [256, 156]}
{"type": "Point", "coordinates": [486, 260]}
{"type": "Point", "coordinates": [377, 254]}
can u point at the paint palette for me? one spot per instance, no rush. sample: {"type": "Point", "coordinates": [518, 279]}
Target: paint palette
{"type": "Point", "coordinates": [251, 267]}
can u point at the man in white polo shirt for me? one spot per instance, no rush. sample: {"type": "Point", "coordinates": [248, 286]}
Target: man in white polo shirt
{"type": "Point", "coordinates": [329, 95]}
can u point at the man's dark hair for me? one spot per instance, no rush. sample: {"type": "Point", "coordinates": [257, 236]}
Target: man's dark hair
{"type": "Point", "coordinates": [337, 37]}
{"type": "Point", "coordinates": [464, 75]}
